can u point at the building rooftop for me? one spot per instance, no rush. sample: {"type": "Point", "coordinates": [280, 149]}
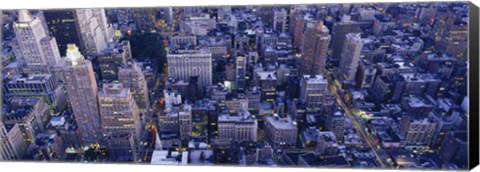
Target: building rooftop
{"type": "Point", "coordinates": [281, 123]}
{"type": "Point", "coordinates": [169, 158]}
{"type": "Point", "coordinates": [266, 75]}
{"type": "Point", "coordinates": [315, 79]}
{"type": "Point", "coordinates": [242, 116]}
{"type": "Point", "coordinates": [27, 78]}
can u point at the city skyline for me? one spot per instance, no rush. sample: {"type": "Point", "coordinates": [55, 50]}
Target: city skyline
{"type": "Point", "coordinates": [380, 85]}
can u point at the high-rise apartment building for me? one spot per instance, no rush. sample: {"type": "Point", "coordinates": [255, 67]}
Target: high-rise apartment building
{"type": "Point", "coordinates": [314, 48]}
{"type": "Point", "coordinates": [350, 57]}
{"type": "Point", "coordinates": [82, 93]}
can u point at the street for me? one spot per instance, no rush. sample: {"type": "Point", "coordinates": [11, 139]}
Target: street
{"type": "Point", "coordinates": [381, 156]}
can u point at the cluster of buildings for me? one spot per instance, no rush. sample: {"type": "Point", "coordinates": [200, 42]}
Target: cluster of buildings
{"type": "Point", "coordinates": [339, 85]}
{"type": "Point", "coordinates": [58, 105]}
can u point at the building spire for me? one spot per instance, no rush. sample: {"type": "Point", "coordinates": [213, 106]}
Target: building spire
{"type": "Point", "coordinates": [24, 16]}
{"type": "Point", "coordinates": [74, 56]}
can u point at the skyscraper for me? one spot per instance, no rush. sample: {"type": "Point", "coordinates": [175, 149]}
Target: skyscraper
{"type": "Point", "coordinates": [82, 93]}
{"type": "Point", "coordinates": [339, 30]}
{"type": "Point", "coordinates": [350, 57]}
{"type": "Point", "coordinates": [34, 48]}
{"type": "Point", "coordinates": [131, 76]}
{"type": "Point", "coordinates": [183, 65]}
{"type": "Point", "coordinates": [297, 27]}
{"type": "Point", "coordinates": [94, 30]}
{"type": "Point", "coordinates": [120, 119]}
{"type": "Point", "coordinates": [315, 48]}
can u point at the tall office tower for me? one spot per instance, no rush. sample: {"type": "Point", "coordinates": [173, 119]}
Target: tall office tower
{"type": "Point", "coordinates": [336, 124]}
{"type": "Point", "coordinates": [112, 58]}
{"type": "Point", "coordinates": [35, 85]}
{"type": "Point", "coordinates": [82, 93]}
{"type": "Point", "coordinates": [131, 76]}
{"type": "Point", "coordinates": [94, 30]}
{"type": "Point", "coordinates": [281, 132]}
{"type": "Point", "coordinates": [280, 20]}
{"type": "Point", "coordinates": [312, 91]}
{"type": "Point", "coordinates": [237, 127]}
{"type": "Point", "coordinates": [120, 118]}
{"type": "Point", "coordinates": [183, 65]}
{"type": "Point", "coordinates": [61, 23]}
{"type": "Point", "coordinates": [315, 48]}
{"type": "Point", "coordinates": [240, 70]}
{"type": "Point", "coordinates": [350, 57]}
{"type": "Point", "coordinates": [7, 151]}
{"type": "Point", "coordinates": [339, 30]}
{"type": "Point", "coordinates": [35, 50]}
